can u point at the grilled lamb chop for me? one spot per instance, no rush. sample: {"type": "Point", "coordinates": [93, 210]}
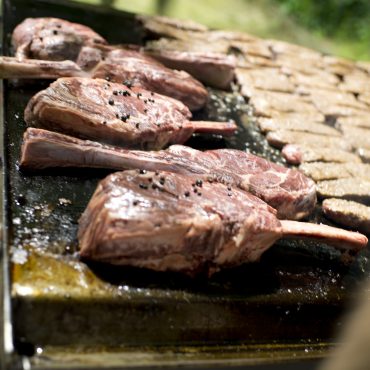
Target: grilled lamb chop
{"type": "Point", "coordinates": [52, 39]}
{"type": "Point", "coordinates": [116, 114]}
{"type": "Point", "coordinates": [212, 68]}
{"type": "Point", "coordinates": [52, 48]}
{"type": "Point", "coordinates": [290, 192]}
{"type": "Point", "coordinates": [167, 222]}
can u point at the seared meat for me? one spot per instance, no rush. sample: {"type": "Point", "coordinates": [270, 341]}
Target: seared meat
{"type": "Point", "coordinates": [115, 114]}
{"type": "Point", "coordinates": [165, 221]}
{"type": "Point", "coordinates": [212, 68]}
{"type": "Point", "coordinates": [141, 70]}
{"type": "Point", "coordinates": [353, 188]}
{"type": "Point", "coordinates": [296, 154]}
{"type": "Point", "coordinates": [350, 214]}
{"type": "Point", "coordinates": [291, 193]}
{"type": "Point", "coordinates": [53, 40]}
{"type": "Point", "coordinates": [32, 68]}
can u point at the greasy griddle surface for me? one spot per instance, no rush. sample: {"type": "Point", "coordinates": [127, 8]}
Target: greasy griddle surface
{"type": "Point", "coordinates": [294, 294]}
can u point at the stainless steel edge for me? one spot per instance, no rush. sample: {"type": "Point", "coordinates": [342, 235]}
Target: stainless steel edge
{"type": "Point", "coordinates": [8, 360]}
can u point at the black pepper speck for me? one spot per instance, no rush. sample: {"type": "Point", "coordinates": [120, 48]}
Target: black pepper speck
{"type": "Point", "coordinates": [21, 200]}
{"type": "Point", "coordinates": [111, 101]}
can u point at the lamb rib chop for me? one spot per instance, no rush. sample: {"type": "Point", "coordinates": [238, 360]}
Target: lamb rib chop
{"type": "Point", "coordinates": [52, 39]}
{"type": "Point", "coordinates": [291, 193]}
{"type": "Point", "coordinates": [166, 222]}
{"type": "Point", "coordinates": [212, 68]}
{"type": "Point", "coordinates": [52, 48]}
{"type": "Point", "coordinates": [116, 114]}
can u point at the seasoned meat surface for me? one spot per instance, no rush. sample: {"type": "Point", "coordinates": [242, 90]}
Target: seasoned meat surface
{"type": "Point", "coordinates": [287, 190]}
{"type": "Point", "coordinates": [115, 114]}
{"type": "Point", "coordinates": [149, 74]}
{"type": "Point", "coordinates": [52, 39]}
{"type": "Point", "coordinates": [212, 68]}
{"type": "Point", "coordinates": [37, 40]}
{"type": "Point", "coordinates": [166, 221]}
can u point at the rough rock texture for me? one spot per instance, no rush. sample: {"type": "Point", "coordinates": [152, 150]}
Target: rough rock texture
{"type": "Point", "coordinates": [354, 215]}
{"type": "Point", "coordinates": [352, 188]}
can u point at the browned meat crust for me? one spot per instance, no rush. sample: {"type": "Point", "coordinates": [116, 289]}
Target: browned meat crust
{"type": "Point", "coordinates": [166, 221]}
{"type": "Point", "coordinates": [115, 114]}
{"type": "Point", "coordinates": [291, 193]}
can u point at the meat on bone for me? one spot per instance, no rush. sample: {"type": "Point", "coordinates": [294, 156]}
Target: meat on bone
{"type": "Point", "coordinates": [291, 193]}
{"type": "Point", "coordinates": [169, 222]}
{"type": "Point", "coordinates": [116, 114]}
{"type": "Point", "coordinates": [52, 48]}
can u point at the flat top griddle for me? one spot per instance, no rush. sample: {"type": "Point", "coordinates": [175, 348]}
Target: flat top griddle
{"type": "Point", "coordinates": [69, 314]}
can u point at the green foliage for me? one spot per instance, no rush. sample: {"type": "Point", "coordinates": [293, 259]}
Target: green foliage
{"type": "Point", "coordinates": [345, 19]}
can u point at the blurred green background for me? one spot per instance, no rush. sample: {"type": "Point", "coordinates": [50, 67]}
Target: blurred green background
{"type": "Point", "coordinates": [340, 27]}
